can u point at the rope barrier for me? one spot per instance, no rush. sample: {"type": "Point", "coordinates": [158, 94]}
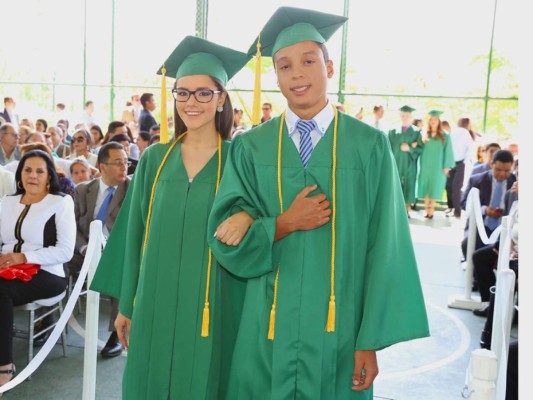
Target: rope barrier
{"type": "Point", "coordinates": [476, 224]}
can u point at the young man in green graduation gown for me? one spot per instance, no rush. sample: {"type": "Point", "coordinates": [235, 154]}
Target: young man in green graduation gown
{"type": "Point", "coordinates": [406, 143]}
{"type": "Point", "coordinates": [329, 262]}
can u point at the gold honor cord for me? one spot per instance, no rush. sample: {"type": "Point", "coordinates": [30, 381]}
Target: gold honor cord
{"type": "Point", "coordinates": [205, 317]}
{"type": "Point", "coordinates": [330, 325]}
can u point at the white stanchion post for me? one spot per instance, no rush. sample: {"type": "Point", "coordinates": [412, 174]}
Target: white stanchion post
{"type": "Point", "coordinates": [465, 301]}
{"type": "Point", "coordinates": [94, 251]}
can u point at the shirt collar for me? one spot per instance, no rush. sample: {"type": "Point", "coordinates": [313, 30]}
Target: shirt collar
{"type": "Point", "coordinates": [103, 187]}
{"type": "Point", "coordinates": [323, 120]}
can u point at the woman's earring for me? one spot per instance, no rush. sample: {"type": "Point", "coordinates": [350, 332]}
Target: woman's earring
{"type": "Point", "coordinates": [19, 185]}
{"type": "Point", "coordinates": [220, 109]}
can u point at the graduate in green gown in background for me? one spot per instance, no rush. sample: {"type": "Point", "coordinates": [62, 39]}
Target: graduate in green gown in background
{"type": "Point", "coordinates": [406, 144]}
{"type": "Point", "coordinates": [329, 261]}
{"type": "Point", "coordinates": [172, 294]}
{"type": "Point", "coordinates": [436, 161]}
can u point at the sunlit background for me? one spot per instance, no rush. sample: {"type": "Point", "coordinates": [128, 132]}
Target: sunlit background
{"type": "Point", "coordinates": [425, 53]}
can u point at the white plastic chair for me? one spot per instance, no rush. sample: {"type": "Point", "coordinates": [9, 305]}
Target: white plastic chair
{"type": "Point", "coordinates": [57, 306]}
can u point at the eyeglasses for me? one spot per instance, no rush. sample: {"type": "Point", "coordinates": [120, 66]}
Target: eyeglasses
{"type": "Point", "coordinates": [79, 139]}
{"type": "Point", "coordinates": [119, 164]}
{"type": "Point", "coordinates": [201, 95]}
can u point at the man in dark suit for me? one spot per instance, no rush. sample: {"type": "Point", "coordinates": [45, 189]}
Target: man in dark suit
{"type": "Point", "coordinates": [9, 112]}
{"type": "Point", "coordinates": [492, 185]}
{"type": "Point", "coordinates": [146, 119]}
{"type": "Point", "coordinates": [101, 199]}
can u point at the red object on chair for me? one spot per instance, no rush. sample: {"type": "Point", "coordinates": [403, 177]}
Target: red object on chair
{"type": "Point", "coordinates": [24, 272]}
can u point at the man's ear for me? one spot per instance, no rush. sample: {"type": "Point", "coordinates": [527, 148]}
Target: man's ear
{"type": "Point", "coordinates": [329, 68]}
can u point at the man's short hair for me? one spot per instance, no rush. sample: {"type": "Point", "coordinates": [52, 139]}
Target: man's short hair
{"type": "Point", "coordinates": [103, 154]}
{"type": "Point", "coordinates": [267, 105]}
{"type": "Point", "coordinates": [113, 125]}
{"type": "Point", "coordinates": [504, 156]}
{"type": "Point", "coordinates": [145, 98]}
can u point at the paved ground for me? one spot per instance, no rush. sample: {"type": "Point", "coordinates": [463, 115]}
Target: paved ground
{"type": "Point", "coordinates": [431, 368]}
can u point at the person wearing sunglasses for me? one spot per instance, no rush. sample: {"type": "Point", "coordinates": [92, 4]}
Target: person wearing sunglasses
{"type": "Point", "coordinates": [81, 146]}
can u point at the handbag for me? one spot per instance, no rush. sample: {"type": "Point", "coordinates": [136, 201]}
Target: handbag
{"type": "Point", "coordinates": [24, 272]}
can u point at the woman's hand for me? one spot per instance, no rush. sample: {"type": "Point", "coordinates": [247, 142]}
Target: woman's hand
{"type": "Point", "coordinates": [10, 259]}
{"type": "Point", "coordinates": [123, 326]}
{"type": "Point", "coordinates": [233, 229]}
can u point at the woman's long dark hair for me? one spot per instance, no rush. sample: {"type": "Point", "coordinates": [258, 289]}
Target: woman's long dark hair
{"type": "Point", "coordinates": [223, 119]}
{"type": "Point", "coordinates": [54, 180]}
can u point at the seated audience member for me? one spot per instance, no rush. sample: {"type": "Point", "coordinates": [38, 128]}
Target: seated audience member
{"type": "Point", "coordinates": [488, 153]}
{"type": "Point", "coordinates": [134, 152]}
{"type": "Point", "coordinates": [9, 143]}
{"type": "Point", "coordinates": [125, 141]}
{"type": "Point", "coordinates": [492, 185]}
{"type": "Point", "coordinates": [154, 139]}
{"type": "Point", "coordinates": [56, 137]}
{"type": "Point", "coordinates": [38, 227]}
{"type": "Point", "coordinates": [81, 146]}
{"type": "Point", "coordinates": [41, 125]}
{"type": "Point", "coordinates": [81, 171]}
{"type": "Point", "coordinates": [65, 183]}
{"type": "Point", "coordinates": [101, 199]}
{"type": "Point", "coordinates": [143, 141]}
{"type": "Point", "coordinates": [118, 127]}
{"type": "Point", "coordinates": [7, 182]}
{"type": "Point", "coordinates": [485, 259]}
{"type": "Point", "coordinates": [97, 138]}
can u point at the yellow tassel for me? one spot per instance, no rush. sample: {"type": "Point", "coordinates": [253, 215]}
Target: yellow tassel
{"type": "Point", "coordinates": [272, 322]}
{"type": "Point", "coordinates": [256, 107]}
{"type": "Point", "coordinates": [163, 132]}
{"type": "Point", "coordinates": [205, 321]}
{"type": "Point", "coordinates": [330, 326]}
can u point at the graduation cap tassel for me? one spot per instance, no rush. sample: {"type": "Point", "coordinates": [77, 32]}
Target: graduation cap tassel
{"type": "Point", "coordinates": [205, 320]}
{"type": "Point", "coordinates": [272, 322]}
{"type": "Point", "coordinates": [256, 108]}
{"type": "Point", "coordinates": [164, 135]}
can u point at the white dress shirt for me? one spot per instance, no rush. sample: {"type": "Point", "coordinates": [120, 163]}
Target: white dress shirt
{"type": "Point", "coordinates": [102, 193]}
{"type": "Point", "coordinates": [462, 143]}
{"type": "Point", "coordinates": [323, 120]}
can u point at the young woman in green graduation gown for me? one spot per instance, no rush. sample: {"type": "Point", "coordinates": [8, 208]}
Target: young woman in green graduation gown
{"type": "Point", "coordinates": [436, 161]}
{"type": "Point", "coordinates": [157, 262]}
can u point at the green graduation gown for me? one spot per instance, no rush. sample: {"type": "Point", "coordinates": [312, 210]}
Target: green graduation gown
{"type": "Point", "coordinates": [407, 161]}
{"type": "Point", "coordinates": [163, 292]}
{"type": "Point", "coordinates": [379, 300]}
{"type": "Point", "coordinates": [435, 156]}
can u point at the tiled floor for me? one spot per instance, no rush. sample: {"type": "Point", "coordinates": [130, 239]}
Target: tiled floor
{"type": "Point", "coordinates": [433, 368]}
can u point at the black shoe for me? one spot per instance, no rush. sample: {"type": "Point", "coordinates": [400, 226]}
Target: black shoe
{"type": "Point", "coordinates": [113, 347]}
{"type": "Point", "coordinates": [40, 326]}
{"type": "Point", "coordinates": [41, 340]}
{"type": "Point", "coordinates": [428, 216]}
{"type": "Point", "coordinates": [482, 312]}
{"type": "Point", "coordinates": [485, 340]}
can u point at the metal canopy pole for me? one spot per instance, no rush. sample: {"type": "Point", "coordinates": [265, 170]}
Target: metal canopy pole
{"type": "Point", "coordinates": [201, 18]}
{"type": "Point", "coordinates": [342, 72]}
{"type": "Point", "coordinates": [487, 88]}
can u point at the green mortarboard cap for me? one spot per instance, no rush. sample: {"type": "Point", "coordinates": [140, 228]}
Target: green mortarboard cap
{"type": "Point", "coordinates": [407, 109]}
{"type": "Point", "coordinates": [436, 113]}
{"type": "Point", "coordinates": [289, 25]}
{"type": "Point", "coordinates": [197, 56]}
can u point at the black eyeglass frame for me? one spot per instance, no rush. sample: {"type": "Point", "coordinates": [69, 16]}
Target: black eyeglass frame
{"type": "Point", "coordinates": [193, 92]}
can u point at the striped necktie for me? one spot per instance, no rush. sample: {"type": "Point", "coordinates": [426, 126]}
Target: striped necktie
{"type": "Point", "coordinates": [306, 146]}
